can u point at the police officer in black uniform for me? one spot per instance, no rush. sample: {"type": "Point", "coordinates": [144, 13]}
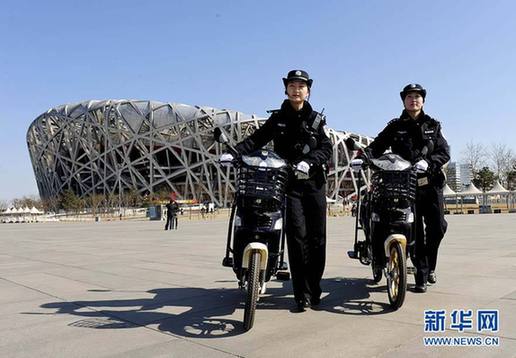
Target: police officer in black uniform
{"type": "Point", "coordinates": [417, 137]}
{"type": "Point", "coordinates": [299, 137]}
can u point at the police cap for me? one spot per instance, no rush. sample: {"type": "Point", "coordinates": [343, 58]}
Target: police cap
{"type": "Point", "coordinates": [298, 75]}
{"type": "Point", "coordinates": [413, 87]}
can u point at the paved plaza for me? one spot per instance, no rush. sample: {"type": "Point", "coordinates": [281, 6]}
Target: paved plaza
{"type": "Point", "coordinates": [131, 289]}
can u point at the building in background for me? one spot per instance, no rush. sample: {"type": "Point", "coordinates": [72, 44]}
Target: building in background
{"type": "Point", "coordinates": [453, 176]}
{"type": "Point", "coordinates": [115, 146]}
{"type": "Point", "coordinates": [458, 176]}
{"type": "Point", "coordinates": [466, 174]}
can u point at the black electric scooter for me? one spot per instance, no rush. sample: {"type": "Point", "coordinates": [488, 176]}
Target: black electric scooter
{"type": "Point", "coordinates": [256, 236]}
{"type": "Point", "coordinates": [386, 214]}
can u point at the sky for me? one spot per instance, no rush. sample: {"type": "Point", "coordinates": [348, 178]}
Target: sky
{"type": "Point", "coordinates": [231, 54]}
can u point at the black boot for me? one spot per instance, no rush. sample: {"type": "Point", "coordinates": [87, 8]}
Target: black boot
{"type": "Point", "coordinates": [421, 279]}
{"type": "Point", "coordinates": [301, 305]}
{"type": "Point", "coordinates": [432, 277]}
{"type": "Point", "coordinates": [420, 288]}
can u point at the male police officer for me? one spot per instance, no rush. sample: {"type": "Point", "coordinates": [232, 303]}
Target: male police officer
{"type": "Point", "coordinates": [298, 136]}
{"type": "Point", "coordinates": [417, 137]}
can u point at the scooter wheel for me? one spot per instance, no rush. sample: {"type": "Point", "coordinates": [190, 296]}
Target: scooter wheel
{"type": "Point", "coordinates": [396, 275]}
{"type": "Point", "coordinates": [253, 286]}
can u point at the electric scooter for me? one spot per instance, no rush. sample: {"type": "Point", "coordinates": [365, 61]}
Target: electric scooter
{"type": "Point", "coordinates": [386, 215]}
{"type": "Point", "coordinates": [255, 244]}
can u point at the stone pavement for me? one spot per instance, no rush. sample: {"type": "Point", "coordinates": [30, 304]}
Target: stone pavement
{"type": "Point", "coordinates": [130, 289]}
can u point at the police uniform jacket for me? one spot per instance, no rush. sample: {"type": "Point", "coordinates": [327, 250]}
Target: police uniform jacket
{"type": "Point", "coordinates": [296, 135]}
{"type": "Point", "coordinates": [407, 137]}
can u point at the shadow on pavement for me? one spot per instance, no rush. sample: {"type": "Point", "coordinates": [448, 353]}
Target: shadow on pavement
{"type": "Point", "coordinates": [188, 312]}
{"type": "Point", "coordinates": [202, 313]}
{"type": "Point", "coordinates": [352, 296]}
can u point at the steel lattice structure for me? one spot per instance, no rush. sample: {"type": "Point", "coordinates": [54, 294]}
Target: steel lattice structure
{"type": "Point", "coordinates": [112, 146]}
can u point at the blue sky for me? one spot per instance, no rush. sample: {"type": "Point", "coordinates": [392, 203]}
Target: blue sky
{"type": "Point", "coordinates": [232, 54]}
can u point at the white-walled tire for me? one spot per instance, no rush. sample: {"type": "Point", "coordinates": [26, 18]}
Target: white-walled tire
{"type": "Point", "coordinates": [396, 275]}
{"type": "Point", "coordinates": [253, 288]}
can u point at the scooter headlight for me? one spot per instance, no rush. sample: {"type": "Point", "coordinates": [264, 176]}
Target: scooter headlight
{"type": "Point", "coordinates": [278, 225]}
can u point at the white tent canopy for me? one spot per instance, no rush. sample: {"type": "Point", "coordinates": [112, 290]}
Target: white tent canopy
{"type": "Point", "coordinates": [498, 189]}
{"type": "Point", "coordinates": [447, 191]}
{"type": "Point", "coordinates": [35, 210]}
{"type": "Point", "coordinates": [470, 189]}
{"type": "Point", "coordinates": [21, 211]}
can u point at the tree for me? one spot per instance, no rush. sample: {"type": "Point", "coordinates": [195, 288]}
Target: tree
{"type": "Point", "coordinates": [475, 155]}
{"type": "Point", "coordinates": [94, 201]}
{"type": "Point", "coordinates": [502, 159]}
{"type": "Point", "coordinates": [28, 201]}
{"type": "Point", "coordinates": [111, 200]}
{"type": "Point", "coordinates": [484, 179]}
{"type": "Point", "coordinates": [51, 203]}
{"type": "Point", "coordinates": [162, 194]}
{"type": "Point", "coordinates": [3, 205]}
{"type": "Point", "coordinates": [131, 198]}
{"type": "Point", "coordinates": [511, 180]}
{"type": "Point", "coordinates": [71, 202]}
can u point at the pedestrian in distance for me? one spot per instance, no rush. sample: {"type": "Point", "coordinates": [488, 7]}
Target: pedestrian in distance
{"type": "Point", "coordinates": [172, 209]}
{"type": "Point", "coordinates": [299, 137]}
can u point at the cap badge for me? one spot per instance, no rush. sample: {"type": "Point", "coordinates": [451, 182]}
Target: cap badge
{"type": "Point", "coordinates": [298, 73]}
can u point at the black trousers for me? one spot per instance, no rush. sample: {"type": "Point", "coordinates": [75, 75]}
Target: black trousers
{"type": "Point", "coordinates": [430, 229]}
{"type": "Point", "coordinates": [171, 222]}
{"type": "Point", "coordinates": [306, 237]}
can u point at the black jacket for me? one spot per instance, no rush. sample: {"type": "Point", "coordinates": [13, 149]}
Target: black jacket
{"type": "Point", "coordinates": [407, 138]}
{"type": "Point", "coordinates": [172, 209]}
{"type": "Point", "coordinates": [294, 137]}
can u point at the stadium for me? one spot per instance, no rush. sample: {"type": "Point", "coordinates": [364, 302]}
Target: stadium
{"type": "Point", "coordinates": [115, 146]}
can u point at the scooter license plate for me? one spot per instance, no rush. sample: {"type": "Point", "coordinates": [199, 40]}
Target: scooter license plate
{"type": "Point", "coordinates": [422, 181]}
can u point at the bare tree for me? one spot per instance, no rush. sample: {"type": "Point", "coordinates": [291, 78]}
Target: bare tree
{"type": "Point", "coordinates": [51, 203]}
{"type": "Point", "coordinates": [131, 198]}
{"type": "Point", "coordinates": [475, 154]}
{"type": "Point", "coordinates": [29, 201]}
{"type": "Point", "coordinates": [502, 159]}
{"type": "Point", "coordinates": [94, 201]}
{"type": "Point", "coordinates": [111, 201]}
{"type": "Point", "coordinates": [3, 205]}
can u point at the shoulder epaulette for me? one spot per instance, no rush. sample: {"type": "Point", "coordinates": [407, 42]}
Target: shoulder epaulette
{"type": "Point", "coordinates": [273, 110]}
{"type": "Point", "coordinates": [433, 121]}
{"type": "Point", "coordinates": [392, 121]}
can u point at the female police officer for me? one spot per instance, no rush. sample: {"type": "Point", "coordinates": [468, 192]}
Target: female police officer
{"type": "Point", "coordinates": [417, 137]}
{"type": "Point", "coordinates": [298, 136]}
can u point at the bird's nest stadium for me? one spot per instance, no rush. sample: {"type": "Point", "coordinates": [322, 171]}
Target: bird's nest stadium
{"type": "Point", "coordinates": [114, 146]}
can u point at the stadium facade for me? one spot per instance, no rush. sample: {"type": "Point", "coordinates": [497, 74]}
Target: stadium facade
{"type": "Point", "coordinates": [114, 146]}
